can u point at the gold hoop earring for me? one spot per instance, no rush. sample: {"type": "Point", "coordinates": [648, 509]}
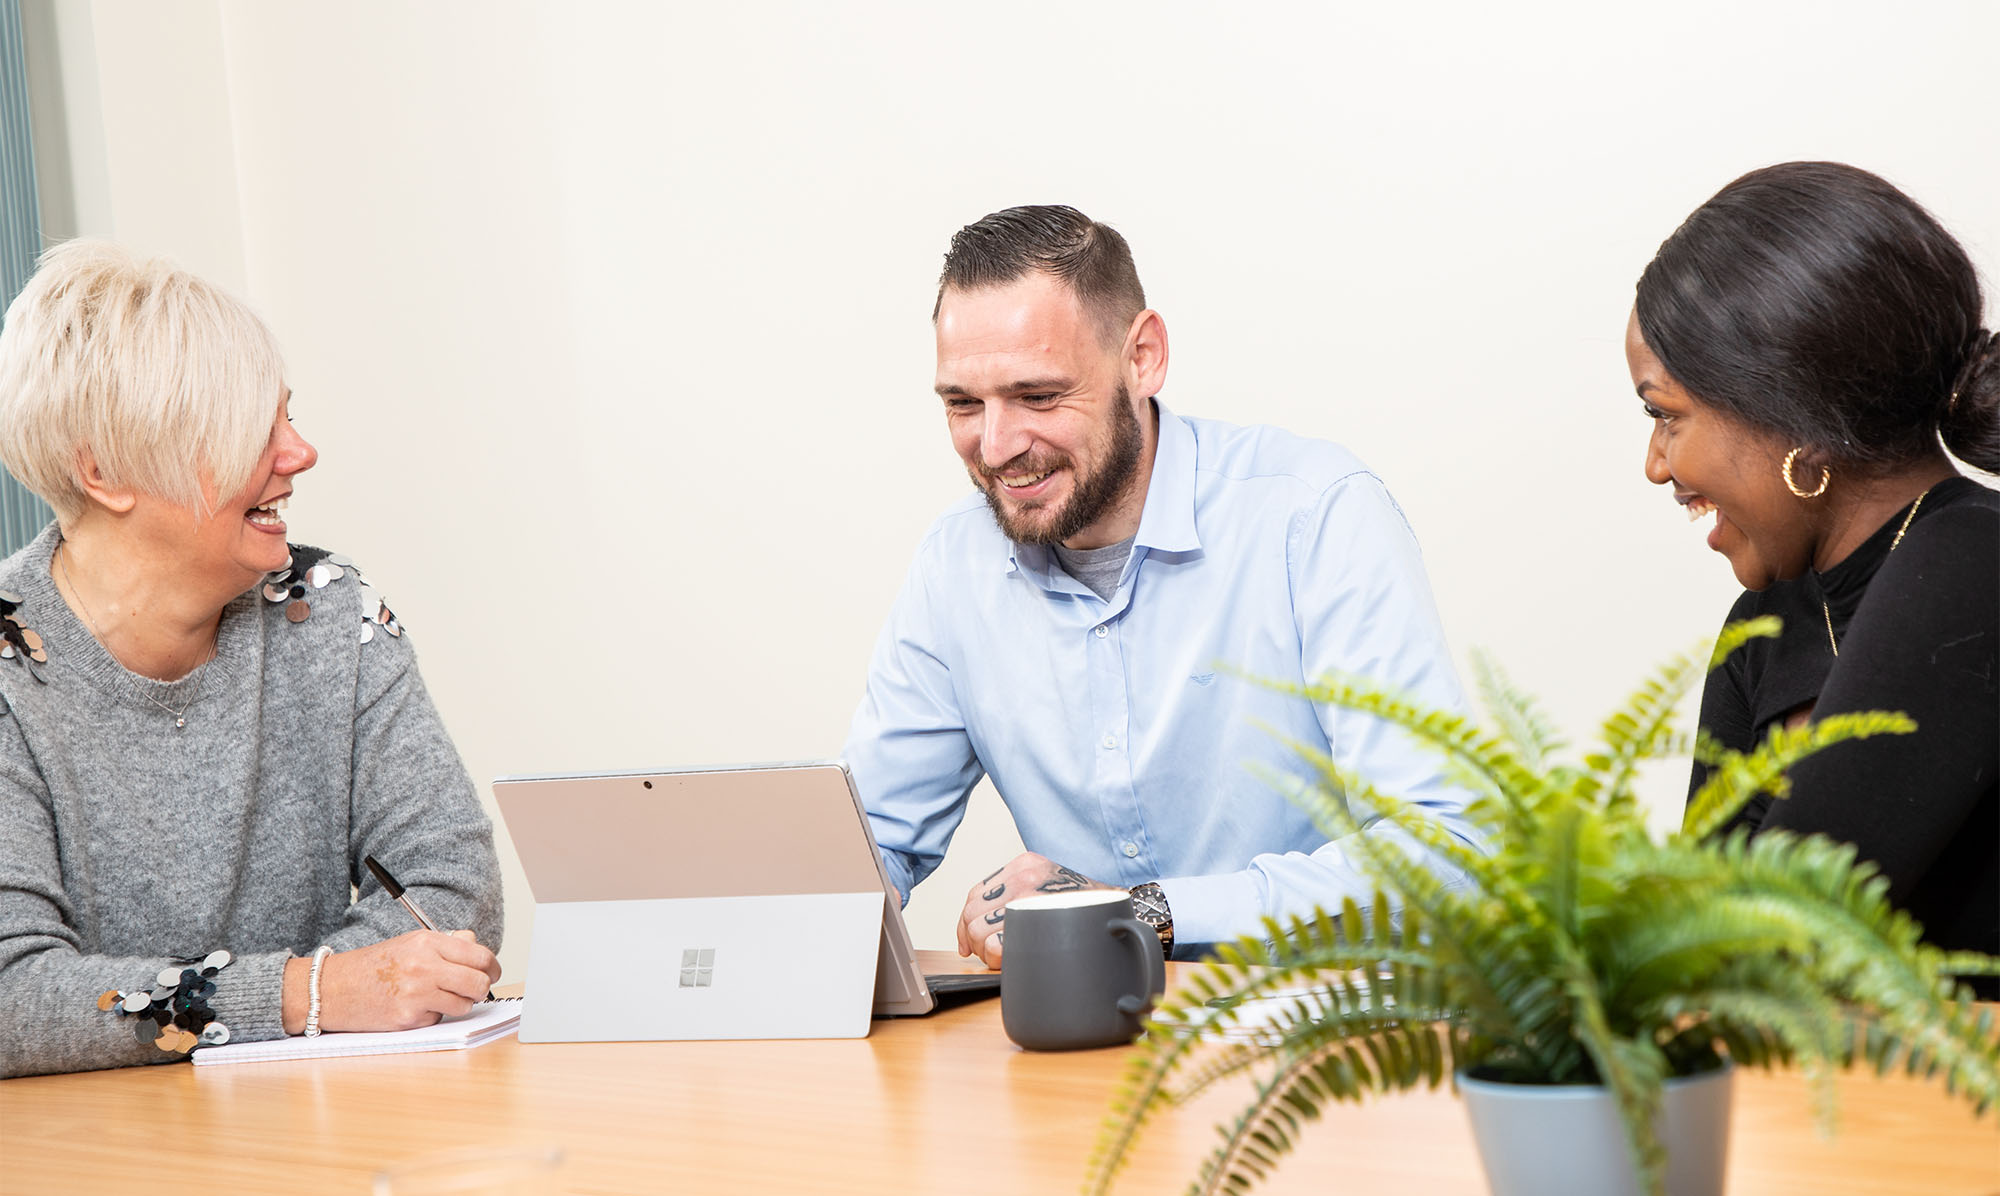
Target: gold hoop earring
{"type": "Point", "coordinates": [1825, 476]}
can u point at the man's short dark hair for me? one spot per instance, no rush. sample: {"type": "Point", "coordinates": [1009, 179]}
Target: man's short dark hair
{"type": "Point", "coordinates": [1088, 257]}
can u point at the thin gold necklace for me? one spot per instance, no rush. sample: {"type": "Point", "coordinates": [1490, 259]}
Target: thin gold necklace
{"type": "Point", "coordinates": [1826, 610]}
{"type": "Point", "coordinates": [90, 621]}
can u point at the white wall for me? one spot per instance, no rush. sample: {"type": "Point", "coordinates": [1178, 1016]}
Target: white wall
{"type": "Point", "coordinates": [610, 321]}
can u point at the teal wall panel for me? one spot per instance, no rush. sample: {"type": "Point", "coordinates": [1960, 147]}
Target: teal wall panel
{"type": "Point", "coordinates": [22, 514]}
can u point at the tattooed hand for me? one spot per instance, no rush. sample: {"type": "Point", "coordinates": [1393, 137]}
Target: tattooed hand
{"type": "Point", "coordinates": [981, 927]}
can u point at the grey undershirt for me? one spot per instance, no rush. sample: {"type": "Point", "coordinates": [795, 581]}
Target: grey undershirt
{"type": "Point", "coordinates": [1097, 568]}
{"type": "Point", "coordinates": [126, 844]}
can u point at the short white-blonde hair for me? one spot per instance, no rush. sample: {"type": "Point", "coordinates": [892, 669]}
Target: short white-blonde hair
{"type": "Point", "coordinates": [165, 379]}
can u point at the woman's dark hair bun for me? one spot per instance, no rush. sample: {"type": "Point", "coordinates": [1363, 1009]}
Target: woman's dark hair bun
{"type": "Point", "coordinates": [1970, 425]}
{"type": "Point", "coordinates": [1818, 302]}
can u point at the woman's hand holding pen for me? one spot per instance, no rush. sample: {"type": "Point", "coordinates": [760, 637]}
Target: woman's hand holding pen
{"type": "Point", "coordinates": [411, 980]}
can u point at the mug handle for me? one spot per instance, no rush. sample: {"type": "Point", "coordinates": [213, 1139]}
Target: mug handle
{"type": "Point", "coordinates": [1145, 944]}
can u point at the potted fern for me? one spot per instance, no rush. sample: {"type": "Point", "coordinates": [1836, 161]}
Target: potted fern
{"type": "Point", "coordinates": [1584, 955]}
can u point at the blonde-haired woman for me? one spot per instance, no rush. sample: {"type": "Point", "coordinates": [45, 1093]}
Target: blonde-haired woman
{"type": "Point", "coordinates": [206, 728]}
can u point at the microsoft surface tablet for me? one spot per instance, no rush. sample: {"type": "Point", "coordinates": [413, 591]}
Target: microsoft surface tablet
{"type": "Point", "coordinates": [760, 866]}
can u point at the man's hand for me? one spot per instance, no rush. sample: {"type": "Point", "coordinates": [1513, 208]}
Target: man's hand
{"type": "Point", "coordinates": [411, 980]}
{"type": "Point", "coordinates": [979, 927]}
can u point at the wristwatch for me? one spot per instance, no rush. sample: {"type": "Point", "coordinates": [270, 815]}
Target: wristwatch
{"type": "Point", "coordinates": [1149, 905]}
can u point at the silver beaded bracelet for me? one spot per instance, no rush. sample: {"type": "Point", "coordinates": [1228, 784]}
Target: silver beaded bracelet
{"type": "Point", "coordinates": [312, 990]}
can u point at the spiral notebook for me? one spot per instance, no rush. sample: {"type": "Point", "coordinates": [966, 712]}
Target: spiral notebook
{"type": "Point", "coordinates": [487, 1021]}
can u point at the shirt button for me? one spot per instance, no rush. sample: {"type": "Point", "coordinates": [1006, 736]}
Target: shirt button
{"type": "Point", "coordinates": [1110, 742]}
{"type": "Point", "coordinates": [1129, 848]}
{"type": "Point", "coordinates": [1102, 631]}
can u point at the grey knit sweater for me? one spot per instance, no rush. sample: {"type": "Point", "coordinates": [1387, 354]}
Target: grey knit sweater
{"type": "Point", "coordinates": [126, 844]}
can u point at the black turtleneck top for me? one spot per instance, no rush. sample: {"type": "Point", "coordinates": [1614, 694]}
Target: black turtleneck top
{"type": "Point", "coordinates": [1919, 632]}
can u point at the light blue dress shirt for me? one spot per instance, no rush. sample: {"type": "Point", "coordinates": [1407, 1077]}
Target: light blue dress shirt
{"type": "Point", "coordinates": [1113, 730]}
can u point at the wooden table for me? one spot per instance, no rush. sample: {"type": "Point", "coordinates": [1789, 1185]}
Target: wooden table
{"type": "Point", "coordinates": [944, 1104]}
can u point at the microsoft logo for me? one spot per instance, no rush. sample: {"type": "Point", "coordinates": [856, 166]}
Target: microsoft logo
{"type": "Point", "coordinates": [697, 967]}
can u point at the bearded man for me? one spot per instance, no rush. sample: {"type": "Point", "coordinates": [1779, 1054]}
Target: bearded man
{"type": "Point", "coordinates": [1081, 628]}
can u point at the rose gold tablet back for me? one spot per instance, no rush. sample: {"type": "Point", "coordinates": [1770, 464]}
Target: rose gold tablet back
{"type": "Point", "coordinates": [750, 831]}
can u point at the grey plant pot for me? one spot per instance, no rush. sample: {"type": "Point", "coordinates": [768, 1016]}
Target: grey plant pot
{"type": "Point", "coordinates": [1567, 1139]}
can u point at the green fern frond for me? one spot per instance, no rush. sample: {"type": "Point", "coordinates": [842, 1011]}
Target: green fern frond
{"type": "Point", "coordinates": [1329, 805]}
{"type": "Point", "coordinates": [1845, 900]}
{"type": "Point", "coordinates": [1739, 633]}
{"type": "Point", "coordinates": [1784, 1034]}
{"type": "Point", "coordinates": [1970, 963]}
{"type": "Point", "coordinates": [1524, 727]}
{"type": "Point", "coordinates": [1497, 981]}
{"type": "Point", "coordinates": [1954, 1037]}
{"type": "Point", "coordinates": [1871, 955]}
{"type": "Point", "coordinates": [1687, 947]}
{"type": "Point", "coordinates": [1301, 1086]}
{"type": "Point", "coordinates": [1499, 772]}
{"type": "Point", "coordinates": [1707, 748]}
{"type": "Point", "coordinates": [1734, 778]}
{"type": "Point", "coordinates": [1767, 996]}
{"type": "Point", "coordinates": [1208, 1003]}
{"type": "Point", "coordinates": [1641, 729]}
{"type": "Point", "coordinates": [1560, 855]}
{"type": "Point", "coordinates": [1577, 950]}
{"type": "Point", "coordinates": [1300, 1028]}
{"type": "Point", "coordinates": [1297, 1025]}
{"type": "Point", "coordinates": [1778, 1012]}
{"type": "Point", "coordinates": [1634, 1071]}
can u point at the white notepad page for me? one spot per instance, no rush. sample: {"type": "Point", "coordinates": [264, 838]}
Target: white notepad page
{"type": "Point", "coordinates": [487, 1021]}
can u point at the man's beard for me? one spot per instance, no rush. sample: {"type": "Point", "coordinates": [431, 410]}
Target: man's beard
{"type": "Point", "coordinates": [1091, 495]}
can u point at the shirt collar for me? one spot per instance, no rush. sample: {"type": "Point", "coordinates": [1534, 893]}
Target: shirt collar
{"type": "Point", "coordinates": [1166, 522]}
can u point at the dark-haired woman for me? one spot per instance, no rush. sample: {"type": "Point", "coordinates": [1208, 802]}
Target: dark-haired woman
{"type": "Point", "coordinates": [1808, 345]}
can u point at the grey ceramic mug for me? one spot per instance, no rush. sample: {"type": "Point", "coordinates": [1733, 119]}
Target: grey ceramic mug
{"type": "Point", "coordinates": [1078, 970]}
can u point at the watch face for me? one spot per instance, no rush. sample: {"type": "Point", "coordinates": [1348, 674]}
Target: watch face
{"type": "Point", "coordinates": [1149, 903]}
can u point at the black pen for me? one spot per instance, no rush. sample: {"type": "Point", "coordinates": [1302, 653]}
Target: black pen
{"type": "Point", "coordinates": [396, 892]}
